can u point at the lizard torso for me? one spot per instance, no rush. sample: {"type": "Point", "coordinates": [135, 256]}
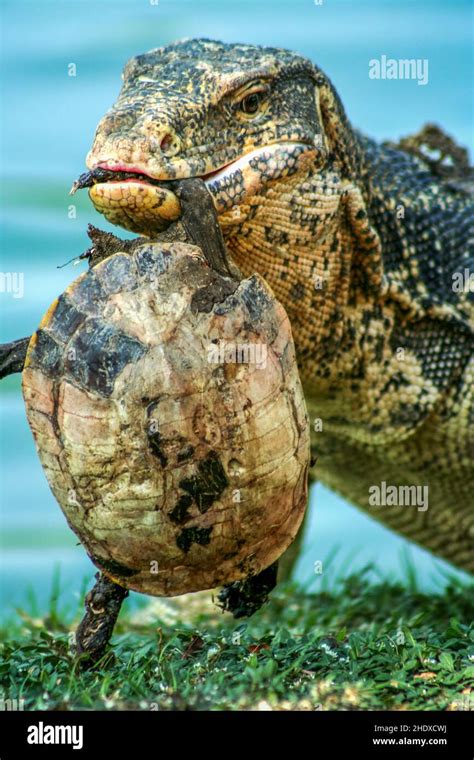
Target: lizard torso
{"type": "Point", "coordinates": [361, 243]}
{"type": "Point", "coordinates": [389, 379]}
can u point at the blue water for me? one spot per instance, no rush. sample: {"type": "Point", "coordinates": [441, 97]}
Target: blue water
{"type": "Point", "coordinates": [48, 120]}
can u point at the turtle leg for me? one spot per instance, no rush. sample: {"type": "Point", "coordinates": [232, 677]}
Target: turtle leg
{"type": "Point", "coordinates": [243, 598]}
{"type": "Point", "coordinates": [102, 605]}
{"type": "Point", "coordinates": [12, 356]}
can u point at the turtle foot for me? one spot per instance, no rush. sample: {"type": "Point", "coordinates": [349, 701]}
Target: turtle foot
{"type": "Point", "coordinates": [102, 605]}
{"type": "Point", "coordinates": [244, 598]}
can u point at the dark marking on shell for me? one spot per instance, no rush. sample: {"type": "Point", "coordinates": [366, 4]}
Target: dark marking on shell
{"type": "Point", "coordinates": [185, 453]}
{"type": "Point", "coordinates": [65, 319]}
{"type": "Point", "coordinates": [117, 274]}
{"type": "Point", "coordinates": [87, 293]}
{"type": "Point", "coordinates": [189, 536]}
{"type": "Point", "coordinates": [47, 354]}
{"type": "Point", "coordinates": [150, 263]}
{"type": "Point", "coordinates": [219, 288]}
{"type": "Point", "coordinates": [100, 353]}
{"type": "Point", "coordinates": [256, 299]}
{"type": "Point", "coordinates": [180, 513]}
{"type": "Point", "coordinates": [208, 484]}
{"type": "Point", "coordinates": [156, 443]}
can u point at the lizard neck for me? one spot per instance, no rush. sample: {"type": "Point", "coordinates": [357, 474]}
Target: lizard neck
{"type": "Point", "coordinates": [305, 237]}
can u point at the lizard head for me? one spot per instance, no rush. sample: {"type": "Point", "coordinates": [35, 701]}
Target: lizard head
{"type": "Point", "coordinates": [239, 116]}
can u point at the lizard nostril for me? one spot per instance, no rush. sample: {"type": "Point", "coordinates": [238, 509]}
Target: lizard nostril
{"type": "Point", "coordinates": [167, 143]}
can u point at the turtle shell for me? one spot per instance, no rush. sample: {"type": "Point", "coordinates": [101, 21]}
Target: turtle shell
{"type": "Point", "coordinates": [168, 415]}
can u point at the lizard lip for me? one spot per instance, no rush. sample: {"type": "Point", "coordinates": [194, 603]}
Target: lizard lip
{"type": "Point", "coordinates": [144, 177]}
{"type": "Point", "coordinates": [243, 161]}
{"type": "Point", "coordinates": [107, 173]}
{"type": "Point", "coordinates": [221, 172]}
{"type": "Point", "coordinates": [124, 169]}
{"type": "Point", "coordinates": [104, 173]}
{"type": "Point", "coordinates": [141, 176]}
{"type": "Point", "coordinates": [147, 178]}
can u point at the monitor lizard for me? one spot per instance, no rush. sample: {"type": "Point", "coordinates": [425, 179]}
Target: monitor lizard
{"type": "Point", "coordinates": [369, 249]}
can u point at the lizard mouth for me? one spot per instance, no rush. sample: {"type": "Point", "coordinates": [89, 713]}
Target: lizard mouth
{"type": "Point", "coordinates": [103, 174]}
{"type": "Point", "coordinates": [273, 159]}
{"type": "Point", "coordinates": [131, 197]}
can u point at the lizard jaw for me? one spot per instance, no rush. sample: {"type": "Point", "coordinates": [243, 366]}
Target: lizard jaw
{"type": "Point", "coordinates": [147, 204]}
{"type": "Point", "coordinates": [248, 174]}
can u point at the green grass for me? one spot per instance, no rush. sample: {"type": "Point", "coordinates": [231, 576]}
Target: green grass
{"type": "Point", "coordinates": [367, 647]}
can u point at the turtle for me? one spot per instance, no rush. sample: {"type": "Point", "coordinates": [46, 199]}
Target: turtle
{"type": "Point", "coordinates": [164, 398]}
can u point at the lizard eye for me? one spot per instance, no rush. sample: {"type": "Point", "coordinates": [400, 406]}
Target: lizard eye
{"type": "Point", "coordinates": [251, 103]}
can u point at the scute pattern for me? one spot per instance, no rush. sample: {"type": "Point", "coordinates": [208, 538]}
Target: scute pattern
{"type": "Point", "coordinates": [176, 472]}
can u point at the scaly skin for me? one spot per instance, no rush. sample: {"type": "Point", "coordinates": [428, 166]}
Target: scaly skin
{"type": "Point", "coordinates": [358, 241]}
